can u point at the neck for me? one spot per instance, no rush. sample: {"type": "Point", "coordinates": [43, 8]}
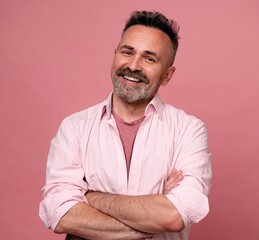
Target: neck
{"type": "Point", "coordinates": [127, 111]}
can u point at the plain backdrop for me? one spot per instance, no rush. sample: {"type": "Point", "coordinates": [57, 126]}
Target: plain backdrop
{"type": "Point", "coordinates": [55, 58]}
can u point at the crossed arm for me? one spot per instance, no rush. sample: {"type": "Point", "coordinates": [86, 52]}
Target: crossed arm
{"type": "Point", "coordinates": [123, 217]}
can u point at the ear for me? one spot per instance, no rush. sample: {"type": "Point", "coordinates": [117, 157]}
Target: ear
{"type": "Point", "coordinates": [168, 75]}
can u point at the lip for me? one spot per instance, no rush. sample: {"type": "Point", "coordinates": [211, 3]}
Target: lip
{"type": "Point", "coordinates": [132, 79]}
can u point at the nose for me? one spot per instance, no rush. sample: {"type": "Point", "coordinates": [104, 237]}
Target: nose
{"type": "Point", "coordinates": [134, 63]}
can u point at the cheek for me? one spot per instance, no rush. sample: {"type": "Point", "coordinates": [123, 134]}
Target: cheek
{"type": "Point", "coordinates": [114, 67]}
{"type": "Point", "coordinates": [120, 61]}
{"type": "Point", "coordinates": [154, 77]}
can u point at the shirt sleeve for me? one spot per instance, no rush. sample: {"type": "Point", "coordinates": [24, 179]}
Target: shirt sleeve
{"type": "Point", "coordinates": [65, 185]}
{"type": "Point", "coordinates": [192, 156]}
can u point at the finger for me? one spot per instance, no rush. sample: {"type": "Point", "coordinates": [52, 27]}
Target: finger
{"type": "Point", "coordinates": [178, 176]}
{"type": "Point", "coordinates": [174, 178]}
{"type": "Point", "coordinates": [172, 174]}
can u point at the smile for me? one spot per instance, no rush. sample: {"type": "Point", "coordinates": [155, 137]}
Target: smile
{"type": "Point", "coordinates": [132, 79]}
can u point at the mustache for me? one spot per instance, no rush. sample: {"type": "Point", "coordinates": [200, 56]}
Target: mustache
{"type": "Point", "coordinates": [134, 74]}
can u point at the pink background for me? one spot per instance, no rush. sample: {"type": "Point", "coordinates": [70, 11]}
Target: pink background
{"type": "Point", "coordinates": [55, 58]}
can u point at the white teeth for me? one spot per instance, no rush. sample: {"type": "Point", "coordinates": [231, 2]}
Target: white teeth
{"type": "Point", "coordinates": [132, 79]}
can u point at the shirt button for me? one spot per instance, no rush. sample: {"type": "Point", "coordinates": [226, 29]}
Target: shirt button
{"type": "Point", "coordinates": [120, 189]}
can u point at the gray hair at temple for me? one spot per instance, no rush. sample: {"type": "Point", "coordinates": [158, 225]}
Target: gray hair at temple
{"type": "Point", "coordinates": [159, 21]}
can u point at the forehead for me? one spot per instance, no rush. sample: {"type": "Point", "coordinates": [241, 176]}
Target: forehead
{"type": "Point", "coordinates": [142, 38]}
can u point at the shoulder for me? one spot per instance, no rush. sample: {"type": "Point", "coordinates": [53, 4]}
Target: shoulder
{"type": "Point", "coordinates": [84, 116]}
{"type": "Point", "coordinates": [171, 115]}
{"type": "Point", "coordinates": [179, 117]}
{"type": "Point", "coordinates": [187, 131]}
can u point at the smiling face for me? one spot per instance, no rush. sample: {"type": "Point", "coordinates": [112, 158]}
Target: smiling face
{"type": "Point", "coordinates": [141, 64]}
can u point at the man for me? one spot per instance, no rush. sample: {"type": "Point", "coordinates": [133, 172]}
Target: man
{"type": "Point", "coordinates": [131, 167]}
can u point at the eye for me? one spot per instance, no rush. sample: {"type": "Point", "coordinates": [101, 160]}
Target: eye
{"type": "Point", "coordinates": [150, 59]}
{"type": "Point", "coordinates": [127, 52]}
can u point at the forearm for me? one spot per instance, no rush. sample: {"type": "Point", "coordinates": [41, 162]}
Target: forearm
{"type": "Point", "coordinates": [89, 223]}
{"type": "Point", "coordinates": [148, 213]}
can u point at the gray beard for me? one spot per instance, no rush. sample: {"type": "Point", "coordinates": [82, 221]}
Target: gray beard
{"type": "Point", "coordinates": [129, 94]}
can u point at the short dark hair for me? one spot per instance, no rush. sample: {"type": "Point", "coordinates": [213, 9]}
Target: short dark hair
{"type": "Point", "coordinates": [156, 20]}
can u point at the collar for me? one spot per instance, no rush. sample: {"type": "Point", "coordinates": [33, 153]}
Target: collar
{"type": "Point", "coordinates": [155, 105]}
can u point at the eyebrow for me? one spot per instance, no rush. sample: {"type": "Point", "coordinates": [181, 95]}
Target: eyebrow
{"type": "Point", "coordinates": [148, 52]}
{"type": "Point", "coordinates": [126, 46]}
{"type": "Point", "coordinates": [152, 54]}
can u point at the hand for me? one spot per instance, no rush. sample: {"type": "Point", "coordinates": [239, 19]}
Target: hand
{"type": "Point", "coordinates": [174, 178]}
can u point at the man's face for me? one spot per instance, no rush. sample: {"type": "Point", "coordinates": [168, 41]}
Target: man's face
{"type": "Point", "coordinates": [141, 64]}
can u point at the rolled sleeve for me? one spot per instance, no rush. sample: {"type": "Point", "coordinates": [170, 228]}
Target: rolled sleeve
{"type": "Point", "coordinates": [52, 210]}
{"type": "Point", "coordinates": [191, 203]}
{"type": "Point", "coordinates": [65, 185]}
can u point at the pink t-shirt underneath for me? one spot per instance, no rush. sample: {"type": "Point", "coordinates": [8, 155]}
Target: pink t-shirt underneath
{"type": "Point", "coordinates": [128, 132]}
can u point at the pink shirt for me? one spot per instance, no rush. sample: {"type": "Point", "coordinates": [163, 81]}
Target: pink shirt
{"type": "Point", "coordinates": [87, 154]}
